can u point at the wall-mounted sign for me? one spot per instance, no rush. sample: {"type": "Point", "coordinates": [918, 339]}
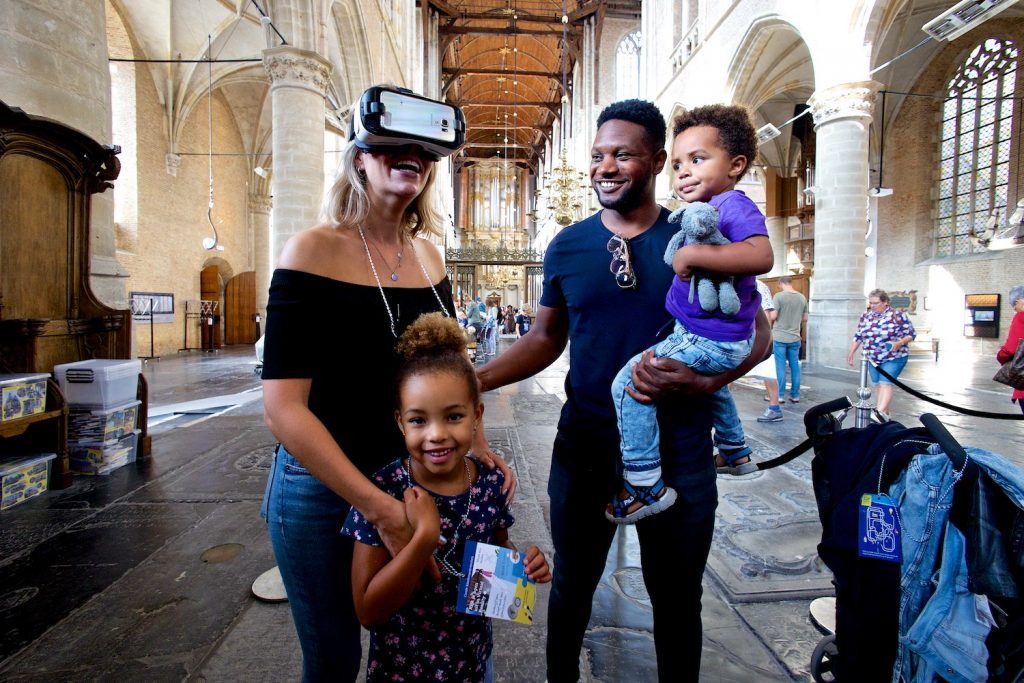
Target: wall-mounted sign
{"type": "Point", "coordinates": [160, 303]}
{"type": "Point", "coordinates": [981, 315]}
{"type": "Point", "coordinates": [904, 301]}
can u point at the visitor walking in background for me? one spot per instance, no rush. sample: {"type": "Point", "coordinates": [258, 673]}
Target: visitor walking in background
{"type": "Point", "coordinates": [765, 370]}
{"type": "Point", "coordinates": [885, 333]}
{"type": "Point", "coordinates": [790, 315]}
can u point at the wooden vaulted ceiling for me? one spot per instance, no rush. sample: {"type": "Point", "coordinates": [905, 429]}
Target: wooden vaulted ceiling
{"type": "Point", "coordinates": [503, 64]}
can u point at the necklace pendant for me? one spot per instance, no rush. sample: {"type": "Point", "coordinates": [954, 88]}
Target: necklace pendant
{"type": "Point", "coordinates": [394, 277]}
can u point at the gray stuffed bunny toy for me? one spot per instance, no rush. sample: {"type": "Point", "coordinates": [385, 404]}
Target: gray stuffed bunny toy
{"type": "Point", "coordinates": [698, 224]}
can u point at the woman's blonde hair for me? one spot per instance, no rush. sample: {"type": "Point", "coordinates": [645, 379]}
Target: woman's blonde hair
{"type": "Point", "coordinates": [347, 204]}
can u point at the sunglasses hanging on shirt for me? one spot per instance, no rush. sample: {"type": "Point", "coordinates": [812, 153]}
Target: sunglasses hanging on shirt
{"type": "Point", "coordinates": [622, 263]}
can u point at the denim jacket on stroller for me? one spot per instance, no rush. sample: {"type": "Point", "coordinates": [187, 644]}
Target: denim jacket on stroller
{"type": "Point", "coordinates": [953, 610]}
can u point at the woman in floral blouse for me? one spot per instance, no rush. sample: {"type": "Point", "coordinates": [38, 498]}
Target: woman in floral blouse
{"type": "Point", "coordinates": [885, 334]}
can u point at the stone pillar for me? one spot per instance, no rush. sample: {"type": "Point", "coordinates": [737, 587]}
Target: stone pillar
{"type": "Point", "coordinates": [259, 218]}
{"type": "Point", "coordinates": [298, 82]}
{"type": "Point", "coordinates": [842, 115]}
{"type": "Point", "coordinates": [777, 236]}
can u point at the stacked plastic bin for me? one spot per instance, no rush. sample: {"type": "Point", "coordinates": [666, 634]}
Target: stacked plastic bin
{"type": "Point", "coordinates": [103, 413]}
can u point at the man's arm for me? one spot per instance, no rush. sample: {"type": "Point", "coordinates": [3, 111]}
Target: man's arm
{"type": "Point", "coordinates": [656, 378]}
{"type": "Point", "coordinates": [531, 353]}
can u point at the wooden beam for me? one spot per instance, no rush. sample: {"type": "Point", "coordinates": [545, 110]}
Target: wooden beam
{"type": "Point", "coordinates": [502, 31]}
{"type": "Point", "coordinates": [468, 71]}
{"type": "Point", "coordinates": [550, 106]}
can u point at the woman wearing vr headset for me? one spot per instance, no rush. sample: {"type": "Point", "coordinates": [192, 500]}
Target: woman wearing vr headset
{"type": "Point", "coordinates": [342, 294]}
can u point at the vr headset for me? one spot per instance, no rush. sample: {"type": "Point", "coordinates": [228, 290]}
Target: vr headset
{"type": "Point", "coordinates": [386, 118]}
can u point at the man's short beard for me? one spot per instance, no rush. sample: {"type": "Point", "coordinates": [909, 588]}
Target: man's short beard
{"type": "Point", "coordinates": [632, 198]}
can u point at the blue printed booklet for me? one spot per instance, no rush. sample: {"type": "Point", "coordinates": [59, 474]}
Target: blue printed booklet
{"type": "Point", "coordinates": [494, 584]}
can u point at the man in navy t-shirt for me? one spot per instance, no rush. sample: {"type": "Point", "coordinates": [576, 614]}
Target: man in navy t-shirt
{"type": "Point", "coordinates": [604, 290]}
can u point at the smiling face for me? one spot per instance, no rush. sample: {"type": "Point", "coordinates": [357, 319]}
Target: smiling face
{"type": "Point", "coordinates": [701, 167]}
{"type": "Point", "coordinates": [623, 166]}
{"type": "Point", "coordinates": [438, 417]}
{"type": "Point", "coordinates": [401, 172]}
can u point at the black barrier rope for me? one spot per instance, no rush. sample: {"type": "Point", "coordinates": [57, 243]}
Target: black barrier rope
{"type": "Point", "coordinates": [948, 406]}
{"type": "Point", "coordinates": [791, 454]}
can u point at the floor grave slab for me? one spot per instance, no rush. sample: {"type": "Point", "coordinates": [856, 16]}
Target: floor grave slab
{"type": "Point", "coordinates": [767, 532]}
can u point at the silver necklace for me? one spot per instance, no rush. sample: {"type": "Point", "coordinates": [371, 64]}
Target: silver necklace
{"type": "Point", "coordinates": [392, 318]}
{"type": "Point", "coordinates": [444, 560]}
{"type": "Point", "coordinates": [401, 255]}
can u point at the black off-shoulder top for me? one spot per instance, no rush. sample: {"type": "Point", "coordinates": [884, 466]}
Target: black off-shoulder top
{"type": "Point", "coordinates": [337, 334]}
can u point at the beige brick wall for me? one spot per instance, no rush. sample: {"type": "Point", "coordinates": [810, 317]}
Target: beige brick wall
{"type": "Point", "coordinates": [172, 210]}
{"type": "Point", "coordinates": [907, 218]}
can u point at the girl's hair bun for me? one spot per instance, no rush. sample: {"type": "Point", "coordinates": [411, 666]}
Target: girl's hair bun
{"type": "Point", "coordinates": [432, 334]}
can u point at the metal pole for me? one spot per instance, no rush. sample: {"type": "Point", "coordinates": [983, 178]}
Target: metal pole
{"type": "Point", "coordinates": [863, 406]}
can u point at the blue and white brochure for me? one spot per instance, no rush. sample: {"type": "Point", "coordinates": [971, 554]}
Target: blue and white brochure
{"type": "Point", "coordinates": [494, 584]}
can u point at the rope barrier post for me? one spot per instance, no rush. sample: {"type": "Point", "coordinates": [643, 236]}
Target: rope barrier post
{"type": "Point", "coordinates": [863, 406]}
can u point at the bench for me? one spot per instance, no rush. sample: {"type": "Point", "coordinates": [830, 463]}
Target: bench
{"type": "Point", "coordinates": [924, 347]}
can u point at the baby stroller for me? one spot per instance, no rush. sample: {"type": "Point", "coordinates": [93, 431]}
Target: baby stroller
{"type": "Point", "coordinates": [850, 464]}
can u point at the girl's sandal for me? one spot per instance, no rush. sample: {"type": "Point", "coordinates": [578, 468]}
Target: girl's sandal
{"type": "Point", "coordinates": [653, 499]}
{"type": "Point", "coordinates": [730, 465]}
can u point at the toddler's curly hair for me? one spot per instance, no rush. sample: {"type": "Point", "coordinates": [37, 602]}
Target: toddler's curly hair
{"type": "Point", "coordinates": [435, 343]}
{"type": "Point", "coordinates": [736, 132]}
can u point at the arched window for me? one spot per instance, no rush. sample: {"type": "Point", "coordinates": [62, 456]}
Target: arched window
{"type": "Point", "coordinates": [977, 123]}
{"type": "Point", "coordinates": [627, 66]}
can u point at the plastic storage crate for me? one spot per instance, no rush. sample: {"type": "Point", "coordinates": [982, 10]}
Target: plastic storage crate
{"type": "Point", "coordinates": [22, 395]}
{"type": "Point", "coordinates": [100, 458]}
{"type": "Point", "coordinates": [99, 383]}
{"type": "Point", "coordinates": [23, 478]}
{"type": "Point", "coordinates": [103, 425]}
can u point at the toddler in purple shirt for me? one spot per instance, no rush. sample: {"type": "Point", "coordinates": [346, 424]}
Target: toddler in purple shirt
{"type": "Point", "coordinates": [712, 148]}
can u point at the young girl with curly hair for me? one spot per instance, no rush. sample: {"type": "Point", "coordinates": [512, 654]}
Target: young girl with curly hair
{"type": "Point", "coordinates": [415, 631]}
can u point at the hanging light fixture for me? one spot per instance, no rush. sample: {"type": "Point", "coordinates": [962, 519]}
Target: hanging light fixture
{"type": "Point", "coordinates": [878, 190]}
{"type": "Point", "coordinates": [564, 184]}
{"type": "Point", "coordinates": [210, 243]}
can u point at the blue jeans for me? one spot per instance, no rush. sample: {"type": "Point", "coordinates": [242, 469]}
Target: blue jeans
{"type": "Point", "coordinates": [674, 547]}
{"type": "Point", "coordinates": [304, 518]}
{"type": "Point", "coordinates": [787, 352]}
{"type": "Point", "coordinates": [638, 422]}
{"type": "Point", "coordinates": [894, 367]}
{"type": "Point", "coordinates": [940, 628]}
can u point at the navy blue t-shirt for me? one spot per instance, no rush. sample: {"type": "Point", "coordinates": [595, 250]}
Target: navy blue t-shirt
{"type": "Point", "coordinates": [609, 325]}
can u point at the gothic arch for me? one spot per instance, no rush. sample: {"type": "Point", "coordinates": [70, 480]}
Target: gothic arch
{"type": "Point", "coordinates": [353, 52]}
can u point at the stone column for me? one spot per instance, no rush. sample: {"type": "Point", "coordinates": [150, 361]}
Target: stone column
{"type": "Point", "coordinates": [777, 236]}
{"type": "Point", "coordinates": [298, 82]}
{"type": "Point", "coordinates": [842, 115]}
{"type": "Point", "coordinates": [259, 218]}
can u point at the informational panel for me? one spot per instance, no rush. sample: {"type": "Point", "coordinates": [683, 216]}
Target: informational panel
{"type": "Point", "coordinates": [162, 304]}
{"type": "Point", "coordinates": [981, 315]}
{"type": "Point", "coordinates": [904, 301]}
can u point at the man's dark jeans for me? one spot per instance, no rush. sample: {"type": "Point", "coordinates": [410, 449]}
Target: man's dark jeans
{"type": "Point", "coordinates": [674, 548]}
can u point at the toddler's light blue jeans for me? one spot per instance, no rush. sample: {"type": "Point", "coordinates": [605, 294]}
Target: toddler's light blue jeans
{"type": "Point", "coordinates": [638, 423]}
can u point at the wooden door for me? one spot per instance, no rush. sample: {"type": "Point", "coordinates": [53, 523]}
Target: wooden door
{"type": "Point", "coordinates": [240, 309]}
{"type": "Point", "coordinates": [209, 290]}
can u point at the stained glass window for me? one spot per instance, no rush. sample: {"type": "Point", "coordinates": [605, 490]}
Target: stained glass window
{"type": "Point", "coordinates": [627, 66]}
{"type": "Point", "coordinates": [974, 165]}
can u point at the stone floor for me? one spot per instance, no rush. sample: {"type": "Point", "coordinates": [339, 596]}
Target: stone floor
{"type": "Point", "coordinates": [145, 574]}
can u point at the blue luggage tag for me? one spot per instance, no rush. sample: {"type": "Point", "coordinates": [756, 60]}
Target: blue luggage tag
{"type": "Point", "coordinates": [879, 525]}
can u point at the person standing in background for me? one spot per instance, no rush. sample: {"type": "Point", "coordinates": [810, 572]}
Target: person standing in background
{"type": "Point", "coordinates": [766, 369]}
{"type": "Point", "coordinates": [1014, 337]}
{"type": "Point", "coordinates": [790, 315]}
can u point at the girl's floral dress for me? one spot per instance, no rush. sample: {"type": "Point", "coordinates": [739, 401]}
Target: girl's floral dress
{"type": "Point", "coordinates": [427, 640]}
